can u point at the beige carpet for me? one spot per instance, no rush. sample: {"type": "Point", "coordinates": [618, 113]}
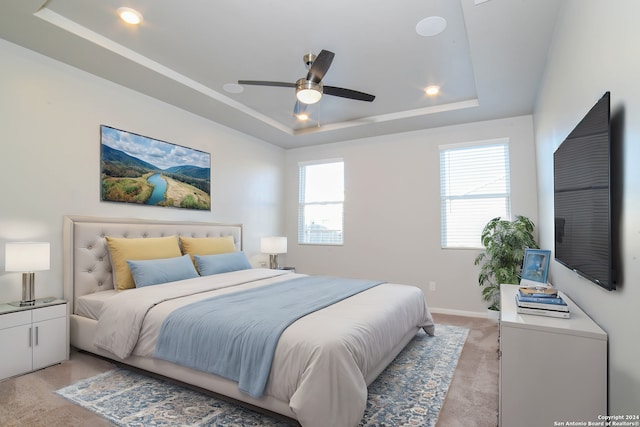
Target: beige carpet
{"type": "Point", "coordinates": [472, 399]}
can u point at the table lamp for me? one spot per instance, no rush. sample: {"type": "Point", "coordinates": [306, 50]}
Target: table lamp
{"type": "Point", "coordinates": [273, 246]}
{"type": "Point", "coordinates": [27, 257]}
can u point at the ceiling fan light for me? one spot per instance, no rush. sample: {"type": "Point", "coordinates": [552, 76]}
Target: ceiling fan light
{"type": "Point", "coordinates": [308, 92]}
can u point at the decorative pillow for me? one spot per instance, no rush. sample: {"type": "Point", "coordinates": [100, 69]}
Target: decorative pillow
{"type": "Point", "coordinates": [222, 263]}
{"type": "Point", "coordinates": [163, 270]}
{"type": "Point", "coordinates": [207, 245]}
{"type": "Point", "coordinates": [123, 249]}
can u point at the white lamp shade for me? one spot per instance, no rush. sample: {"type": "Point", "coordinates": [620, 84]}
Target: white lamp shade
{"type": "Point", "coordinates": [27, 256]}
{"type": "Point", "coordinates": [273, 245]}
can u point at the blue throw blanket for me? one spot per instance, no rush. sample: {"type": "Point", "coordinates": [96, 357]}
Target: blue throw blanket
{"type": "Point", "coordinates": [235, 335]}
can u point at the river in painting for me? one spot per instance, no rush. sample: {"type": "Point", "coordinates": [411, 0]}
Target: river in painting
{"type": "Point", "coordinates": [159, 188]}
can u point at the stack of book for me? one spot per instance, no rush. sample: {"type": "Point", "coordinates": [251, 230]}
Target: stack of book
{"type": "Point", "coordinates": [541, 301]}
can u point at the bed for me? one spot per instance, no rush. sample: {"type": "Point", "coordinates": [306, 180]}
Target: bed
{"type": "Point", "coordinates": [322, 364]}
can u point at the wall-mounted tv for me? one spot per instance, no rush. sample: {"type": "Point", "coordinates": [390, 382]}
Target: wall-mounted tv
{"type": "Point", "coordinates": [582, 198]}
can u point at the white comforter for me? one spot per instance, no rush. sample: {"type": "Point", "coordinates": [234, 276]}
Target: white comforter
{"type": "Point", "coordinates": [322, 362]}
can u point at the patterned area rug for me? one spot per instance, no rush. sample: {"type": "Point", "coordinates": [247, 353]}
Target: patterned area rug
{"type": "Point", "coordinates": [410, 392]}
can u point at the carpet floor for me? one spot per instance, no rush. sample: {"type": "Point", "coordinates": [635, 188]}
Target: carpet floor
{"type": "Point", "coordinates": [409, 392]}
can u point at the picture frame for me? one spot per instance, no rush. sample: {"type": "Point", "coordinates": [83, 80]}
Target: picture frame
{"type": "Point", "coordinates": [137, 169]}
{"type": "Point", "coordinates": [535, 266]}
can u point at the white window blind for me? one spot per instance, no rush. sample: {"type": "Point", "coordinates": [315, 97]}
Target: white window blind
{"type": "Point", "coordinates": [321, 202]}
{"type": "Point", "coordinates": [474, 188]}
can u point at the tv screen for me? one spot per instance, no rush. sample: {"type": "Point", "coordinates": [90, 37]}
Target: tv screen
{"type": "Point", "coordinates": [582, 197]}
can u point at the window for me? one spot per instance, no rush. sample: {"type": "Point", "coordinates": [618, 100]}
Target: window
{"type": "Point", "coordinates": [321, 202]}
{"type": "Point", "coordinates": [474, 188]}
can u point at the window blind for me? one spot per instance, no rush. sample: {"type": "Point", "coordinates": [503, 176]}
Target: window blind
{"type": "Point", "coordinates": [474, 188]}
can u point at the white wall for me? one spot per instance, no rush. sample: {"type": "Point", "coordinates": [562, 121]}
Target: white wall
{"type": "Point", "coordinates": [392, 209]}
{"type": "Point", "coordinates": [50, 117]}
{"type": "Point", "coordinates": [595, 50]}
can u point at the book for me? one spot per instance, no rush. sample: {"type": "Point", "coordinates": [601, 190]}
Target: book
{"type": "Point", "coordinates": [545, 300]}
{"type": "Point", "coordinates": [542, 305]}
{"type": "Point", "coordinates": [541, 312]}
{"type": "Point", "coordinates": [538, 291]}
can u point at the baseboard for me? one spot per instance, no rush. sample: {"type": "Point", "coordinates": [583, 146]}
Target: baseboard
{"type": "Point", "coordinates": [464, 313]}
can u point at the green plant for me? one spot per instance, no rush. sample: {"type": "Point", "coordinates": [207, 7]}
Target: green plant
{"type": "Point", "coordinates": [504, 242]}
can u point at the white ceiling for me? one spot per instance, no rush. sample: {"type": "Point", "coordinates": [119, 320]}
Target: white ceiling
{"type": "Point", "coordinates": [489, 60]}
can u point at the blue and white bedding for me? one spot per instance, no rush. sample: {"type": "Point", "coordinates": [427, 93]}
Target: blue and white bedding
{"type": "Point", "coordinates": [248, 324]}
{"type": "Point", "coordinates": [322, 362]}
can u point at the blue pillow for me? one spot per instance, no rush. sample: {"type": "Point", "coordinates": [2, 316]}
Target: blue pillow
{"type": "Point", "coordinates": [162, 270]}
{"type": "Point", "coordinates": [221, 263]}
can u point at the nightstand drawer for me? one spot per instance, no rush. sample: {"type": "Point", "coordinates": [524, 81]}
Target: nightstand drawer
{"type": "Point", "coordinates": [15, 319]}
{"type": "Point", "coordinates": [46, 313]}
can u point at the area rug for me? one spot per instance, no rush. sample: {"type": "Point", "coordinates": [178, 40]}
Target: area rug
{"type": "Point", "coordinates": [410, 392]}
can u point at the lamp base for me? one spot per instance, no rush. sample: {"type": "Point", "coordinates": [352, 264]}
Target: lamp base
{"type": "Point", "coordinates": [273, 261]}
{"type": "Point", "coordinates": [22, 303]}
{"type": "Point", "coordinates": [28, 292]}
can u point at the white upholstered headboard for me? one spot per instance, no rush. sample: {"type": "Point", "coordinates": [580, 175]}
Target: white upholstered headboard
{"type": "Point", "coordinates": [87, 265]}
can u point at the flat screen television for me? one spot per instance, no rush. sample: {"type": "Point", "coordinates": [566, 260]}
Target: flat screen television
{"type": "Point", "coordinates": [582, 198]}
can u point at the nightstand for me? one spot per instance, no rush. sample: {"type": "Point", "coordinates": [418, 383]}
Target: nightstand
{"type": "Point", "coordinates": [287, 269]}
{"type": "Point", "coordinates": [33, 337]}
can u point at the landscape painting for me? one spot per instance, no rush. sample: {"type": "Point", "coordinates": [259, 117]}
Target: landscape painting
{"type": "Point", "coordinates": [142, 170]}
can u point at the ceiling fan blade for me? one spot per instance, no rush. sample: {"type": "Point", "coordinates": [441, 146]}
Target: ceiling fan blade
{"type": "Point", "coordinates": [320, 66]}
{"type": "Point", "coordinates": [348, 93]}
{"type": "Point", "coordinates": [265, 83]}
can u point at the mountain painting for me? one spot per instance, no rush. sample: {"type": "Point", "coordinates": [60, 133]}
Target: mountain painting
{"type": "Point", "coordinates": [142, 170]}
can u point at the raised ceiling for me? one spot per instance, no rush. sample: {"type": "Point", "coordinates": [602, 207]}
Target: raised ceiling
{"type": "Point", "coordinates": [488, 61]}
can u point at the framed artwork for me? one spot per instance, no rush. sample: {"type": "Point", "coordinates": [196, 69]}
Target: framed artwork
{"type": "Point", "coordinates": [536, 265]}
{"type": "Point", "coordinates": [142, 170]}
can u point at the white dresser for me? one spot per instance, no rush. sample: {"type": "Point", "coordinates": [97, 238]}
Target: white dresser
{"type": "Point", "coordinates": [33, 337]}
{"type": "Point", "coordinates": [551, 369]}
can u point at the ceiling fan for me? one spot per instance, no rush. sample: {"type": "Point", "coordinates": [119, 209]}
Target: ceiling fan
{"type": "Point", "coordinates": [309, 89]}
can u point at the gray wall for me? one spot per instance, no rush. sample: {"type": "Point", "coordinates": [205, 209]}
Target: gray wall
{"type": "Point", "coordinates": [50, 160]}
{"type": "Point", "coordinates": [392, 210]}
{"type": "Point", "coordinates": [596, 50]}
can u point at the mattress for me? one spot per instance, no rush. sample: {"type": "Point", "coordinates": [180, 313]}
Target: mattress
{"type": "Point", "coordinates": [90, 305]}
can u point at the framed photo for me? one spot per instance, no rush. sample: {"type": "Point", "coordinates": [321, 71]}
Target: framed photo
{"type": "Point", "coordinates": [536, 265]}
{"type": "Point", "coordinates": [142, 170]}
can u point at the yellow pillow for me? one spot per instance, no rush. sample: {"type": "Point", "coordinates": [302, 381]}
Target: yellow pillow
{"type": "Point", "coordinates": [122, 249]}
{"type": "Point", "coordinates": [207, 245]}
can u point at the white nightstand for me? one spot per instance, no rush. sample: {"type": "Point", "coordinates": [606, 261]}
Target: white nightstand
{"type": "Point", "coordinates": [33, 337]}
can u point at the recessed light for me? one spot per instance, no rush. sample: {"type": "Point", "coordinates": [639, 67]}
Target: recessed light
{"type": "Point", "coordinates": [130, 16]}
{"type": "Point", "coordinates": [233, 88]}
{"type": "Point", "coordinates": [431, 26]}
{"type": "Point", "coordinates": [432, 90]}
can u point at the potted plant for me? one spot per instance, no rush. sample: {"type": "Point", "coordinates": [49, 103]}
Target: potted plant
{"type": "Point", "coordinates": [501, 262]}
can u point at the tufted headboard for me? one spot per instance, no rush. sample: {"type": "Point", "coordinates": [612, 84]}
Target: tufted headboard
{"type": "Point", "coordinates": [87, 265]}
